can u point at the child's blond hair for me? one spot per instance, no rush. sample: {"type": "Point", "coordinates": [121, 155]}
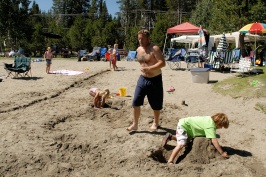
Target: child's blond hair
{"type": "Point", "coordinates": [105, 93]}
{"type": "Point", "coordinates": [220, 119]}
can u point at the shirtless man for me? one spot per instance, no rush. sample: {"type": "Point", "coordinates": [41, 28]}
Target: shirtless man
{"type": "Point", "coordinates": [150, 82]}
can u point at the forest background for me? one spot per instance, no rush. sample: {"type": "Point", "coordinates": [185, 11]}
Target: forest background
{"type": "Point", "coordinates": [84, 24]}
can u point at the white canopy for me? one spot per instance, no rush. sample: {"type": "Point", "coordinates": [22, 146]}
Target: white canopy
{"type": "Point", "coordinates": [230, 38]}
{"type": "Point", "coordinates": [234, 38]}
{"type": "Point", "coordinates": [186, 39]}
{"type": "Point", "coordinates": [191, 40]}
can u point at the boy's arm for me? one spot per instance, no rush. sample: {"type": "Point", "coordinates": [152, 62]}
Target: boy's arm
{"type": "Point", "coordinates": [218, 147]}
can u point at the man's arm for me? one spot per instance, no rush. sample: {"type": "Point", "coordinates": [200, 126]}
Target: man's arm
{"type": "Point", "coordinates": [218, 147]}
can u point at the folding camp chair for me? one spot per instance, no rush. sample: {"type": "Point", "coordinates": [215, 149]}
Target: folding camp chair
{"type": "Point", "coordinates": [244, 66]}
{"type": "Point", "coordinates": [102, 53]}
{"type": "Point", "coordinates": [81, 54]}
{"type": "Point", "coordinates": [175, 58]}
{"type": "Point", "coordinates": [192, 58]}
{"type": "Point", "coordinates": [132, 55]}
{"type": "Point", "coordinates": [93, 56]}
{"type": "Point", "coordinates": [21, 67]}
{"type": "Point", "coordinates": [227, 59]}
{"type": "Point", "coordinates": [235, 57]}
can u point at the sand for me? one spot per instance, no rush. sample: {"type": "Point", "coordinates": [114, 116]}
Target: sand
{"type": "Point", "coordinates": [50, 128]}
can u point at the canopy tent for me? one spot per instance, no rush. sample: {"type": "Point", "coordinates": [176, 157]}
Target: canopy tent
{"type": "Point", "coordinates": [230, 38]}
{"type": "Point", "coordinates": [192, 40]}
{"type": "Point", "coordinates": [185, 38]}
{"type": "Point", "coordinates": [234, 38]}
{"type": "Point", "coordinates": [181, 29]}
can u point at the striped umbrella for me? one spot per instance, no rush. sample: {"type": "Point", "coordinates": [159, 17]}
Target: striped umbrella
{"type": "Point", "coordinates": [222, 46]}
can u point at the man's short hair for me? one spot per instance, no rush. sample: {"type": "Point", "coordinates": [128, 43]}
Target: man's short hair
{"type": "Point", "coordinates": [145, 32]}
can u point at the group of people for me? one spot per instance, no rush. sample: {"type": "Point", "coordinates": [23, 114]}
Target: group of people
{"type": "Point", "coordinates": [150, 84]}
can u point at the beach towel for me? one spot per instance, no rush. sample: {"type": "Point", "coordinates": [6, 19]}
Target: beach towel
{"type": "Point", "coordinates": [202, 40]}
{"type": "Point", "coordinates": [67, 72]}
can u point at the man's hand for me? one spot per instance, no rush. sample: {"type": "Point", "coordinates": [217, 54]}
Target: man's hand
{"type": "Point", "coordinates": [145, 69]}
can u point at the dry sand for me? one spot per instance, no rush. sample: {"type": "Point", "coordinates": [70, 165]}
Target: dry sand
{"type": "Point", "coordinates": [49, 127]}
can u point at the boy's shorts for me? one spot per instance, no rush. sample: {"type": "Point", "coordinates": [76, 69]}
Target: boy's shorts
{"type": "Point", "coordinates": [48, 61]}
{"type": "Point", "coordinates": [181, 135]}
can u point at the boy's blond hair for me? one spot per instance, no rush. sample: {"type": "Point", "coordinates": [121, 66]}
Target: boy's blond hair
{"type": "Point", "coordinates": [220, 119]}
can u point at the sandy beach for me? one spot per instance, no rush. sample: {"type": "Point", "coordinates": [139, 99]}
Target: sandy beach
{"type": "Point", "coordinates": [50, 128]}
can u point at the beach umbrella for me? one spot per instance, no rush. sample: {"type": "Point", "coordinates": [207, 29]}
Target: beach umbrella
{"type": "Point", "coordinates": [254, 28]}
{"type": "Point", "coordinates": [222, 46]}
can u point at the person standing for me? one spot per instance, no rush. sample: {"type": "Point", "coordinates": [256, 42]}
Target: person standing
{"type": "Point", "coordinates": [203, 46]}
{"type": "Point", "coordinates": [48, 56]}
{"type": "Point", "coordinates": [150, 82]}
{"type": "Point", "coordinates": [114, 57]}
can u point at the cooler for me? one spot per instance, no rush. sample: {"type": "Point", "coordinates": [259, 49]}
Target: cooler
{"type": "Point", "coordinates": [200, 75]}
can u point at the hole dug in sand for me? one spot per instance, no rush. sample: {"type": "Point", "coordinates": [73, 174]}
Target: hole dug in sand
{"type": "Point", "coordinates": [199, 151]}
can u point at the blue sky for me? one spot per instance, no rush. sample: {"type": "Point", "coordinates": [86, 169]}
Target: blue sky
{"type": "Point", "coordinates": [112, 7]}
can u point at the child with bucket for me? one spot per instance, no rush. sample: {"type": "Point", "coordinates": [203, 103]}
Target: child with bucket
{"type": "Point", "coordinates": [99, 96]}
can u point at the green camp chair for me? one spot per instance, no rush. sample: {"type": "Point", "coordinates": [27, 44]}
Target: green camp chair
{"type": "Point", "coordinates": [20, 68]}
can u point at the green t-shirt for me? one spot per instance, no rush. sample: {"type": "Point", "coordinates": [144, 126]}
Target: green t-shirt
{"type": "Point", "coordinates": [199, 126]}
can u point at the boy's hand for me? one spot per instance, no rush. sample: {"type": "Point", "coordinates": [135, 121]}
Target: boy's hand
{"type": "Point", "coordinates": [225, 155]}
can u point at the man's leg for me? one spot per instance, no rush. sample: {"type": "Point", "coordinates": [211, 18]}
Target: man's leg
{"type": "Point", "coordinates": [155, 124]}
{"type": "Point", "coordinates": [136, 114]}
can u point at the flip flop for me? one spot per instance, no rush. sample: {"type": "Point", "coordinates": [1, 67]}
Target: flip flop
{"type": "Point", "coordinates": [171, 89]}
{"type": "Point", "coordinates": [166, 138]}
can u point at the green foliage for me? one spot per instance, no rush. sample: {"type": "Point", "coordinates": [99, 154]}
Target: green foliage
{"type": "Point", "coordinates": [258, 12]}
{"type": "Point", "coordinates": [76, 33]}
{"type": "Point", "coordinates": [132, 38]}
{"type": "Point", "coordinates": [38, 42]}
{"type": "Point", "coordinates": [158, 33]}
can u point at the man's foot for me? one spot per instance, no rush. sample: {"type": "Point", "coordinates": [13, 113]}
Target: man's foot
{"type": "Point", "coordinates": [132, 128]}
{"type": "Point", "coordinates": [166, 138]}
{"type": "Point", "coordinates": [154, 127]}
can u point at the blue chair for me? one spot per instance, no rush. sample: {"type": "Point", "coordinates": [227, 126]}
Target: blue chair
{"type": "Point", "coordinates": [95, 54]}
{"type": "Point", "coordinates": [192, 58]}
{"type": "Point", "coordinates": [175, 58]}
{"type": "Point", "coordinates": [132, 55]}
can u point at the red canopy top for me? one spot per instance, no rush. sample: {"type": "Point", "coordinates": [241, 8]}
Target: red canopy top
{"type": "Point", "coordinates": [184, 28]}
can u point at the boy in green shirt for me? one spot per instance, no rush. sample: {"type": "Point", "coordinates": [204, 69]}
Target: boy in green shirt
{"type": "Point", "coordinates": [192, 127]}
